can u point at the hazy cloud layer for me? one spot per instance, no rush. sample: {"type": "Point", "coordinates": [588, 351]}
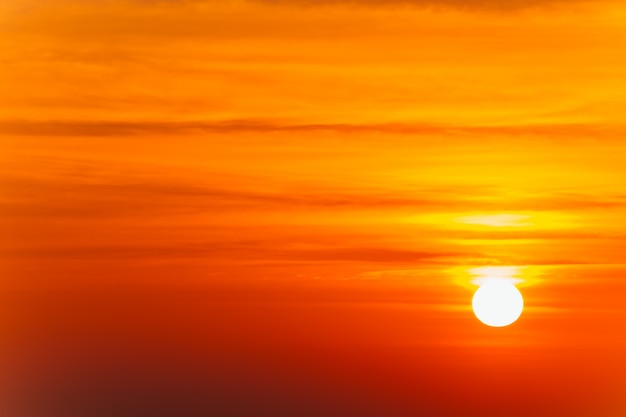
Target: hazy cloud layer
{"type": "Point", "coordinates": [467, 5]}
{"type": "Point", "coordinates": [96, 128]}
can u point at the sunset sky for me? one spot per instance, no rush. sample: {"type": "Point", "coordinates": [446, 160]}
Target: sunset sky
{"type": "Point", "coordinates": [283, 208]}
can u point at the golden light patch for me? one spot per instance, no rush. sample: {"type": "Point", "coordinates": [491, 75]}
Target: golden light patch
{"type": "Point", "coordinates": [497, 220]}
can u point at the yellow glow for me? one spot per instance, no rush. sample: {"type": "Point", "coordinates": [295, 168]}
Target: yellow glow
{"type": "Point", "coordinates": [497, 303]}
{"type": "Point", "coordinates": [497, 220]}
{"type": "Point", "coordinates": [484, 274]}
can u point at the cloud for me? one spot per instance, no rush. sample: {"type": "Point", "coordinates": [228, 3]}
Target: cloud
{"type": "Point", "coordinates": [457, 4]}
{"type": "Point", "coordinates": [96, 189]}
{"type": "Point", "coordinates": [468, 5]}
{"type": "Point", "coordinates": [123, 128]}
{"type": "Point", "coordinates": [102, 196]}
{"type": "Point", "coordinates": [103, 128]}
{"type": "Point", "coordinates": [253, 251]}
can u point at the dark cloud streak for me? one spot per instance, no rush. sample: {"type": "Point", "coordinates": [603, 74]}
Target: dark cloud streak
{"type": "Point", "coordinates": [132, 128]}
{"type": "Point", "coordinates": [466, 5]}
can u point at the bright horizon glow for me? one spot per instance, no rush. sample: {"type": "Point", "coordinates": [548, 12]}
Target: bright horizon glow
{"type": "Point", "coordinates": [510, 274]}
{"type": "Point", "coordinates": [497, 303]}
{"type": "Point", "coordinates": [497, 220]}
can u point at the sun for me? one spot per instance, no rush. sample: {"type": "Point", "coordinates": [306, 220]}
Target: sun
{"type": "Point", "coordinates": [497, 303]}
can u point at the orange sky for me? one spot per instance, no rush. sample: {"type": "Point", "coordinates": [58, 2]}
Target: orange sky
{"type": "Point", "coordinates": [283, 208]}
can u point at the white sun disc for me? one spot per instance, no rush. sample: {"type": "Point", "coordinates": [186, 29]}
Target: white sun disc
{"type": "Point", "coordinates": [497, 303]}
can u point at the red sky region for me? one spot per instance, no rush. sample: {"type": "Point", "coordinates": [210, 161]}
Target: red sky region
{"type": "Point", "coordinates": [283, 209]}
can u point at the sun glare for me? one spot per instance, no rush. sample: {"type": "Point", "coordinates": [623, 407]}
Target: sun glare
{"type": "Point", "coordinates": [497, 303]}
